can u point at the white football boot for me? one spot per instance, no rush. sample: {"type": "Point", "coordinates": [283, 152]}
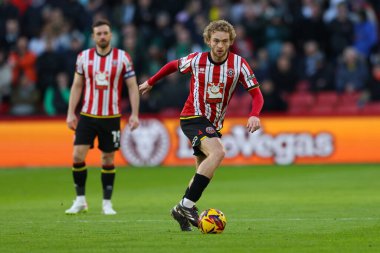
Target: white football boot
{"type": "Point", "coordinates": [107, 208]}
{"type": "Point", "coordinates": [79, 206]}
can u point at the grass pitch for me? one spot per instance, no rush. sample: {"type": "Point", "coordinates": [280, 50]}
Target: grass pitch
{"type": "Point", "coordinates": [268, 209]}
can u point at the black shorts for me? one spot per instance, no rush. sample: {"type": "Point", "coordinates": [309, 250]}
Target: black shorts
{"type": "Point", "coordinates": [106, 129]}
{"type": "Point", "coordinates": [196, 129]}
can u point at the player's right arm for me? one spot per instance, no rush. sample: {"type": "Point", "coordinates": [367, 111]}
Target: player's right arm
{"type": "Point", "coordinates": [75, 95]}
{"type": "Point", "coordinates": [167, 69]}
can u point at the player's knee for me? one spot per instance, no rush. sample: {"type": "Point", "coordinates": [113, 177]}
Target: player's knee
{"type": "Point", "coordinates": [219, 153]}
{"type": "Point", "coordinates": [107, 158]}
{"type": "Point", "coordinates": [78, 158]}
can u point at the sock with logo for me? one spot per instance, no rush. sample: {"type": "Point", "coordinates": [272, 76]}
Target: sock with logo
{"type": "Point", "coordinates": [108, 178]}
{"type": "Point", "coordinates": [80, 176]}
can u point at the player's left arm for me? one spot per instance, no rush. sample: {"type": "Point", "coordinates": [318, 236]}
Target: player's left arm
{"type": "Point", "coordinates": [254, 123]}
{"type": "Point", "coordinates": [248, 79]}
{"type": "Point", "coordinates": [134, 98]}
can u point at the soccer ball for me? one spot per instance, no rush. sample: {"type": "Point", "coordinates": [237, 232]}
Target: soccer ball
{"type": "Point", "coordinates": [212, 221]}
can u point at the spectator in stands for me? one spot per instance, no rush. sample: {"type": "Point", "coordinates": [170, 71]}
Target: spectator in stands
{"type": "Point", "coordinates": [32, 21]}
{"type": "Point", "coordinates": [7, 11]}
{"type": "Point", "coordinates": [314, 69]}
{"type": "Point", "coordinates": [126, 12]}
{"type": "Point", "coordinates": [311, 25]}
{"type": "Point", "coordinates": [5, 80]}
{"type": "Point", "coordinates": [22, 61]}
{"type": "Point", "coordinates": [283, 75]}
{"type": "Point", "coordinates": [56, 98]}
{"type": "Point", "coordinates": [48, 65]}
{"type": "Point", "coordinates": [340, 30]}
{"type": "Point", "coordinates": [274, 102]}
{"type": "Point", "coordinates": [25, 97]}
{"type": "Point", "coordinates": [12, 33]}
{"type": "Point", "coordinates": [243, 45]}
{"type": "Point", "coordinates": [352, 72]}
{"type": "Point", "coordinates": [276, 33]}
{"type": "Point", "coordinates": [365, 34]}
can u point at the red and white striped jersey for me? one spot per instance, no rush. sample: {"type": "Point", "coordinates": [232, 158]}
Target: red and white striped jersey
{"type": "Point", "coordinates": [213, 84]}
{"type": "Point", "coordinates": [104, 77]}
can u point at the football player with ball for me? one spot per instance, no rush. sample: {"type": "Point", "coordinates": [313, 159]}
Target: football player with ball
{"type": "Point", "coordinates": [214, 77]}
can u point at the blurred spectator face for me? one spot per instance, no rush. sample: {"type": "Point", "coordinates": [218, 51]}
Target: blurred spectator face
{"type": "Point", "coordinates": [262, 54]}
{"type": "Point", "coordinates": [310, 48]}
{"type": "Point", "coordinates": [162, 20]}
{"type": "Point", "coordinates": [129, 43]}
{"type": "Point", "coordinates": [267, 87]}
{"type": "Point", "coordinates": [12, 26]}
{"type": "Point", "coordinates": [22, 45]}
{"type": "Point", "coordinates": [350, 55]}
{"type": "Point", "coordinates": [144, 3]}
{"type": "Point", "coordinates": [283, 64]}
{"type": "Point", "coordinates": [129, 30]}
{"type": "Point", "coordinates": [342, 11]}
{"type": "Point", "coordinates": [102, 36]}
{"type": "Point", "coordinates": [183, 36]}
{"type": "Point", "coordinates": [288, 49]}
{"type": "Point", "coordinates": [62, 80]}
{"type": "Point", "coordinates": [219, 43]}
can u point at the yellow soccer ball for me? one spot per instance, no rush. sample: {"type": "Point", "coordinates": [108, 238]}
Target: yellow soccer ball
{"type": "Point", "coordinates": [212, 221]}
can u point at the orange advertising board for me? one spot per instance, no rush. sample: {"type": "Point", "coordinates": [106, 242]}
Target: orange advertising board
{"type": "Point", "coordinates": [282, 140]}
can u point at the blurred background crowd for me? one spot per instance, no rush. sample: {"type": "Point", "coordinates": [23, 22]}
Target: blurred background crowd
{"type": "Point", "coordinates": [310, 56]}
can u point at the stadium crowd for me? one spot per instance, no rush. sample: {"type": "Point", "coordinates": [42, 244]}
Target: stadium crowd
{"type": "Point", "coordinates": [307, 54]}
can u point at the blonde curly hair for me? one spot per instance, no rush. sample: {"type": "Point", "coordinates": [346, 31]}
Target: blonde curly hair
{"type": "Point", "coordinates": [218, 26]}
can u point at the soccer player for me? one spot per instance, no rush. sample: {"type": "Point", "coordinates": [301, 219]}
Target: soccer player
{"type": "Point", "coordinates": [100, 73]}
{"type": "Point", "coordinates": [214, 76]}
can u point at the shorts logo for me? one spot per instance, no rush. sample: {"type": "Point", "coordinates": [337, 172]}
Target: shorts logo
{"type": "Point", "coordinates": [194, 142]}
{"type": "Point", "coordinates": [230, 72]}
{"type": "Point", "coordinates": [147, 145]}
{"type": "Point", "coordinates": [200, 132]}
{"type": "Point", "coordinates": [210, 130]}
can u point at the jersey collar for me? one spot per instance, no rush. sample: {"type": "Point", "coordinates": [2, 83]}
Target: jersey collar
{"type": "Point", "coordinates": [217, 63]}
{"type": "Point", "coordinates": [105, 55]}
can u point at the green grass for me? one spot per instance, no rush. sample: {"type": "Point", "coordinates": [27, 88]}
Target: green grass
{"type": "Point", "coordinates": [268, 209]}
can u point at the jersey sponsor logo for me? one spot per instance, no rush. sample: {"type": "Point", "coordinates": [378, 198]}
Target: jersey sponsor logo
{"type": "Point", "coordinates": [230, 72]}
{"type": "Point", "coordinates": [102, 80]}
{"type": "Point", "coordinates": [148, 145]}
{"type": "Point", "coordinates": [214, 93]}
{"type": "Point", "coordinates": [210, 130]}
{"type": "Point", "coordinates": [90, 62]}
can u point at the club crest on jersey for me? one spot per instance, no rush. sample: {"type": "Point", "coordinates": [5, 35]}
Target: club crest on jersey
{"type": "Point", "coordinates": [114, 62]}
{"type": "Point", "coordinates": [210, 130]}
{"type": "Point", "coordinates": [201, 70]}
{"type": "Point", "coordinates": [214, 93]}
{"type": "Point", "coordinates": [230, 72]}
{"type": "Point", "coordinates": [102, 80]}
{"type": "Point", "coordinates": [90, 62]}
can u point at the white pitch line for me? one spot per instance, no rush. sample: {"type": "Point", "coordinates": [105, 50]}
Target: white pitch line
{"type": "Point", "coordinates": [233, 220]}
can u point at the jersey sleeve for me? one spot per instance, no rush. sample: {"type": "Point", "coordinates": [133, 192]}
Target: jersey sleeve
{"type": "Point", "coordinates": [184, 63]}
{"type": "Point", "coordinates": [247, 78]}
{"type": "Point", "coordinates": [128, 66]}
{"type": "Point", "coordinates": [79, 64]}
